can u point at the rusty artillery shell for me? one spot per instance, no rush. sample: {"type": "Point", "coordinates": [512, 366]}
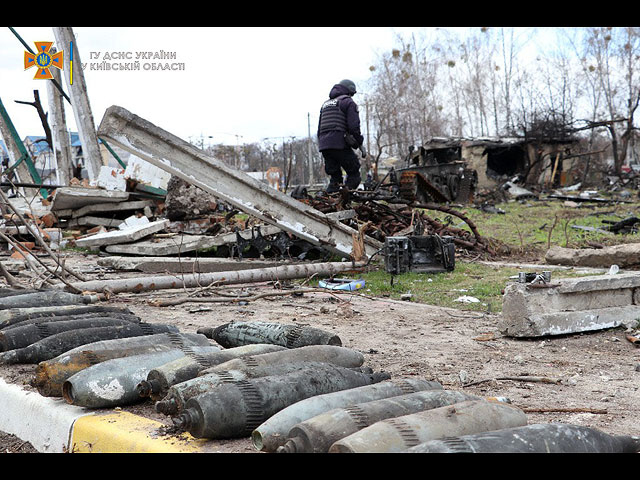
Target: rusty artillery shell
{"type": "Point", "coordinates": [180, 370]}
{"type": "Point", "coordinates": [51, 374]}
{"type": "Point", "coordinates": [55, 345]}
{"type": "Point", "coordinates": [318, 433]}
{"type": "Point", "coordinates": [536, 438]}
{"type": "Point", "coordinates": [397, 434]}
{"type": "Point", "coordinates": [235, 334]}
{"type": "Point", "coordinates": [22, 336]}
{"type": "Point", "coordinates": [273, 432]}
{"type": "Point", "coordinates": [15, 315]}
{"type": "Point", "coordinates": [236, 409]}
{"type": "Point", "coordinates": [113, 382]}
{"type": "Point", "coordinates": [46, 297]}
{"type": "Point", "coordinates": [341, 356]}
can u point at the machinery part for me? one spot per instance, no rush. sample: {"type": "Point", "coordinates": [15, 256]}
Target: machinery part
{"type": "Point", "coordinates": [420, 254]}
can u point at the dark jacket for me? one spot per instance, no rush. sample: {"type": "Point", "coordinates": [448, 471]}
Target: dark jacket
{"type": "Point", "coordinates": [334, 139]}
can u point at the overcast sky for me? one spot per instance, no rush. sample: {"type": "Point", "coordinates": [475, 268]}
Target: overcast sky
{"type": "Point", "coordinates": [235, 84]}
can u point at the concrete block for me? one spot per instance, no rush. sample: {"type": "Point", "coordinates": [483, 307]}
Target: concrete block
{"type": "Point", "coordinates": [571, 305]}
{"type": "Point", "coordinates": [111, 178]}
{"type": "Point", "coordinates": [622, 255]}
{"type": "Point", "coordinates": [122, 236]}
{"type": "Point", "coordinates": [68, 197]}
{"type": "Point", "coordinates": [144, 172]}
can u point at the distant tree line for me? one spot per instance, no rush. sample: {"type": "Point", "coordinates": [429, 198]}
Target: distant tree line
{"type": "Point", "coordinates": [551, 83]}
{"type": "Point", "coordinates": [477, 82]}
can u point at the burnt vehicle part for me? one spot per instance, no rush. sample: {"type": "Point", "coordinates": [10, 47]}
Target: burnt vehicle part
{"type": "Point", "coordinates": [436, 176]}
{"type": "Point", "coordinates": [419, 254]}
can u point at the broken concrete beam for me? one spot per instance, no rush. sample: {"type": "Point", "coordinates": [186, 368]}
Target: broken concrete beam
{"type": "Point", "coordinates": [122, 236]}
{"type": "Point", "coordinates": [249, 195]}
{"type": "Point", "coordinates": [93, 221]}
{"type": "Point", "coordinates": [563, 323]}
{"type": "Point", "coordinates": [111, 207]}
{"type": "Point", "coordinates": [185, 265]}
{"type": "Point", "coordinates": [72, 197]}
{"type": "Point", "coordinates": [570, 306]}
{"type": "Point", "coordinates": [150, 283]}
{"type": "Point", "coordinates": [183, 243]}
{"type": "Point", "coordinates": [625, 255]}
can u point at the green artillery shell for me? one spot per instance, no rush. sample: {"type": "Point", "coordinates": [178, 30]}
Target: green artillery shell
{"type": "Point", "coordinates": [537, 438]}
{"type": "Point", "coordinates": [59, 343]}
{"type": "Point", "coordinates": [396, 434]}
{"type": "Point", "coordinates": [47, 297]}
{"type": "Point", "coordinates": [113, 382]}
{"type": "Point", "coordinates": [318, 433]}
{"type": "Point", "coordinates": [273, 433]}
{"type": "Point", "coordinates": [19, 337]}
{"type": "Point", "coordinates": [160, 379]}
{"type": "Point", "coordinates": [236, 409]}
{"type": "Point", "coordinates": [15, 315]}
{"type": "Point", "coordinates": [51, 374]}
{"type": "Point", "coordinates": [342, 356]}
{"type": "Point", "coordinates": [235, 334]}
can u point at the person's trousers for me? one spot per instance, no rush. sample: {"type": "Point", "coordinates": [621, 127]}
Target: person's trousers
{"type": "Point", "coordinates": [337, 160]}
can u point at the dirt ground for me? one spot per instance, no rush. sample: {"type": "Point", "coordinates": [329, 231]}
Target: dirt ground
{"type": "Point", "coordinates": [592, 379]}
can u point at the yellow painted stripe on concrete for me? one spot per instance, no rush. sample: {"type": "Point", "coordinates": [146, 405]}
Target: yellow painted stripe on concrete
{"type": "Point", "coordinates": [124, 432]}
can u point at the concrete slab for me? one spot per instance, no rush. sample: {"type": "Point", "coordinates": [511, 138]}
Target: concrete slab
{"type": "Point", "coordinates": [122, 236]}
{"type": "Point", "coordinates": [93, 221]}
{"type": "Point", "coordinates": [71, 197]}
{"type": "Point", "coordinates": [563, 323]}
{"type": "Point", "coordinates": [111, 207]}
{"type": "Point", "coordinates": [625, 255]}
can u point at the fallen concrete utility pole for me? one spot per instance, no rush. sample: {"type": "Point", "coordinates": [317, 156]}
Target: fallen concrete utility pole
{"type": "Point", "coordinates": [144, 284]}
{"type": "Point", "coordinates": [185, 161]}
{"type": "Point", "coordinates": [80, 101]}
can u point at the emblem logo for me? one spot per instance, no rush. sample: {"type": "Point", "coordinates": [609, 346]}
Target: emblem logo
{"type": "Point", "coordinates": [43, 60]}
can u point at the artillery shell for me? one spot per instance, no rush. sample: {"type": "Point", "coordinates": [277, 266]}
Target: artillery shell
{"type": "Point", "coordinates": [273, 433]}
{"type": "Point", "coordinates": [318, 433]}
{"type": "Point", "coordinates": [235, 334]}
{"type": "Point", "coordinates": [180, 370]}
{"type": "Point", "coordinates": [59, 343]}
{"type": "Point", "coordinates": [236, 409]}
{"type": "Point", "coordinates": [536, 438]}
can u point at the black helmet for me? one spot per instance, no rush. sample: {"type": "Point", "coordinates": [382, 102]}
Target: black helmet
{"type": "Point", "coordinates": [351, 87]}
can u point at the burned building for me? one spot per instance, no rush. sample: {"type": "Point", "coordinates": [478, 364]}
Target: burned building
{"type": "Point", "coordinates": [498, 159]}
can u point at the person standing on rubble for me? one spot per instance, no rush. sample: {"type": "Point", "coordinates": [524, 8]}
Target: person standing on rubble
{"type": "Point", "coordinates": [338, 134]}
